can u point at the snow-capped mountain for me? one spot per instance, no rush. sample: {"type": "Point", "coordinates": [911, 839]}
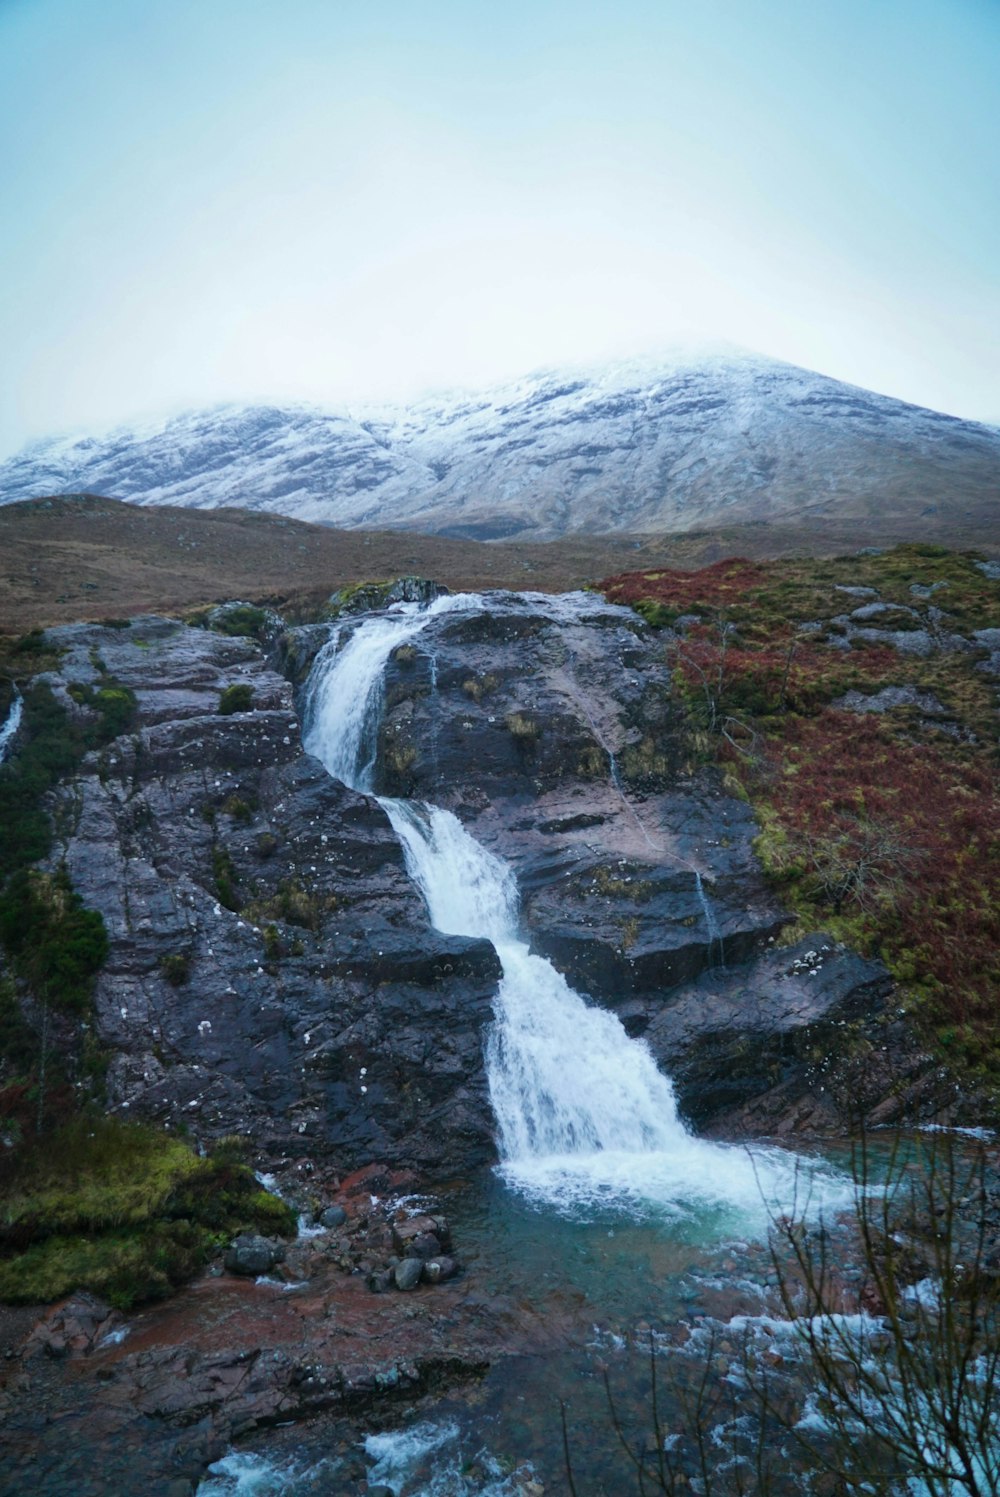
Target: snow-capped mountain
{"type": "Point", "coordinates": [645, 446]}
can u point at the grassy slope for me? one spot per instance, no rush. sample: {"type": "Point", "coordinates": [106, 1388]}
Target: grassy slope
{"type": "Point", "coordinates": [883, 826]}
{"type": "Point", "coordinates": [90, 558]}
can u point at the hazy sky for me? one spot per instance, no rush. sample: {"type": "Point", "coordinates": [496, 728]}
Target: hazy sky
{"type": "Point", "coordinates": [205, 200]}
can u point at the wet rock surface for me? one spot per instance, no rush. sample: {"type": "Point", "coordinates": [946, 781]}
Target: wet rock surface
{"type": "Point", "coordinates": [740, 1038]}
{"type": "Point", "coordinates": [272, 970]}
{"type": "Point", "coordinates": [550, 728]}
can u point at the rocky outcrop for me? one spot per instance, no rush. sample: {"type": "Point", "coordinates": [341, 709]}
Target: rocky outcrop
{"type": "Point", "coordinates": [549, 726]}
{"type": "Point", "coordinates": [271, 971]}
{"type": "Point", "coordinates": [739, 1038]}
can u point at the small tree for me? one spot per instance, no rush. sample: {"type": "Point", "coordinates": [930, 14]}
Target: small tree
{"type": "Point", "coordinates": [861, 861]}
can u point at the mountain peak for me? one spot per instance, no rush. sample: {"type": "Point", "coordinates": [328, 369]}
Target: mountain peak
{"type": "Point", "coordinates": [677, 440]}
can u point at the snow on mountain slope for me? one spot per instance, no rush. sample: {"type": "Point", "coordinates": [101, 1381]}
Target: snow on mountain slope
{"type": "Point", "coordinates": [644, 446]}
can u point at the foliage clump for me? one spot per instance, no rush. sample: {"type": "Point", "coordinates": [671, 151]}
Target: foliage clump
{"type": "Point", "coordinates": [236, 698]}
{"type": "Point", "coordinates": [124, 1210]}
{"type": "Point", "coordinates": [293, 903]}
{"type": "Point", "coordinates": [522, 727]}
{"type": "Point", "coordinates": [55, 944]}
{"type": "Point", "coordinates": [241, 619]}
{"type": "Point", "coordinates": [176, 967]}
{"type": "Point", "coordinates": [226, 879]}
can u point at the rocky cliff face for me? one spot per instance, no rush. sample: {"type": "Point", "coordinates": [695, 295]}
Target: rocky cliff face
{"type": "Point", "coordinates": [548, 725]}
{"type": "Point", "coordinates": [272, 969]}
{"type": "Point", "coordinates": [649, 446]}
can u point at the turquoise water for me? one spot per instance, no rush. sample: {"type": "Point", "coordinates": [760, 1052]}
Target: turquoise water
{"type": "Point", "coordinates": [588, 1296]}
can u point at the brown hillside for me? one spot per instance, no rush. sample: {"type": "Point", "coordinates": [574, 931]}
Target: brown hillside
{"type": "Point", "coordinates": [85, 557]}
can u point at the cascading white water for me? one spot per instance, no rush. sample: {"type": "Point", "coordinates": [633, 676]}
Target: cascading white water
{"type": "Point", "coordinates": [583, 1113]}
{"type": "Point", "coordinates": [11, 724]}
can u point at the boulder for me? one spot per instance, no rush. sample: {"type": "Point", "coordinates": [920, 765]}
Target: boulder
{"type": "Point", "coordinates": [437, 1270]}
{"type": "Point", "coordinates": [407, 1274]}
{"type": "Point", "coordinates": [251, 1255]}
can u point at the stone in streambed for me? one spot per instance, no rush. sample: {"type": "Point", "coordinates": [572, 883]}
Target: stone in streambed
{"type": "Point", "coordinates": [436, 1270]}
{"type": "Point", "coordinates": [425, 1246]}
{"type": "Point", "coordinates": [406, 1234]}
{"type": "Point", "coordinates": [251, 1255]}
{"type": "Point", "coordinates": [407, 1274]}
{"type": "Point", "coordinates": [333, 1216]}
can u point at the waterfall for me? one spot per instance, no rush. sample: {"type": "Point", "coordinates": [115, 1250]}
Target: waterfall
{"type": "Point", "coordinates": [711, 924]}
{"type": "Point", "coordinates": [583, 1114]}
{"type": "Point", "coordinates": [11, 724]}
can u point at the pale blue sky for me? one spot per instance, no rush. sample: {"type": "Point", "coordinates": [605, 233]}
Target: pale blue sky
{"type": "Point", "coordinates": [205, 200]}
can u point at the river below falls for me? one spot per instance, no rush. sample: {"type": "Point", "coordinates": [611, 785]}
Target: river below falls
{"type": "Point", "coordinates": [591, 1294]}
{"type": "Point", "coordinates": [609, 1233]}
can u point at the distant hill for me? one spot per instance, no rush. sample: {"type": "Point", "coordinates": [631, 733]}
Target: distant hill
{"type": "Point", "coordinates": [645, 448]}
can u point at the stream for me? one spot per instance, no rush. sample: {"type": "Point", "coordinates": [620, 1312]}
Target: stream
{"type": "Point", "coordinates": [606, 1222]}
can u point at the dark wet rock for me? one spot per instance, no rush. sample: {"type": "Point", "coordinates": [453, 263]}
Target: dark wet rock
{"type": "Point", "coordinates": [550, 727]}
{"type": "Point", "coordinates": [253, 1255]}
{"type": "Point", "coordinates": [437, 1270]}
{"type": "Point", "coordinates": [316, 1009]}
{"type": "Point", "coordinates": [769, 1029]}
{"type": "Point", "coordinates": [425, 1246]}
{"type": "Point", "coordinates": [415, 1233]}
{"type": "Point", "coordinates": [295, 650]}
{"type": "Point", "coordinates": [406, 1275]}
{"type": "Point", "coordinates": [333, 1216]}
{"type": "Point", "coordinates": [74, 1328]}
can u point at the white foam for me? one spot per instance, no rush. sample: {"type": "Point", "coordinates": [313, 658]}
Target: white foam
{"type": "Point", "coordinates": [246, 1474]}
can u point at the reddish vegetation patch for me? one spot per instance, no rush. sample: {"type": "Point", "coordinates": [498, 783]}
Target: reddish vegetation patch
{"type": "Point", "coordinates": [877, 825]}
{"type": "Point", "coordinates": [793, 674]}
{"type": "Point", "coordinates": [837, 773]}
{"type": "Point", "coordinates": [718, 586]}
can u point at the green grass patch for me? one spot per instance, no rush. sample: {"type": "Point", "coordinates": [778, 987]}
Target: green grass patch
{"type": "Point", "coordinates": [246, 619]}
{"type": "Point", "coordinates": [226, 879]}
{"type": "Point", "coordinates": [124, 1210]}
{"type": "Point", "coordinates": [237, 698]}
{"type": "Point", "coordinates": [55, 944]}
{"type": "Point", "coordinates": [51, 746]}
{"type": "Point", "coordinates": [293, 903]}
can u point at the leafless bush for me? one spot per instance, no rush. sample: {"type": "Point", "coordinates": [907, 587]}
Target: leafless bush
{"type": "Point", "coordinates": [897, 1392]}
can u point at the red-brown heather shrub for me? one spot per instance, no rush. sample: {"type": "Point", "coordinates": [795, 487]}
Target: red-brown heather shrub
{"type": "Point", "coordinates": [878, 822]}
